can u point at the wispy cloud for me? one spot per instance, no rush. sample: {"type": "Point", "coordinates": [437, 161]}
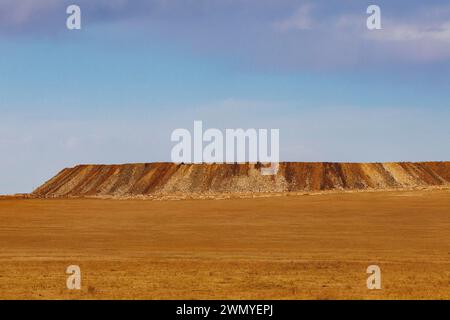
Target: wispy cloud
{"type": "Point", "coordinates": [283, 34]}
{"type": "Point", "coordinates": [404, 32]}
{"type": "Point", "coordinates": [302, 19]}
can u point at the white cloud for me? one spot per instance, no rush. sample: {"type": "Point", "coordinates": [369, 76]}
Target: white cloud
{"type": "Point", "coordinates": [301, 20]}
{"type": "Point", "coordinates": [414, 41]}
{"type": "Point", "coordinates": [413, 32]}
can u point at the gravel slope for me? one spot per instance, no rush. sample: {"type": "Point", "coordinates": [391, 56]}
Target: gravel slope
{"type": "Point", "coordinates": [169, 179]}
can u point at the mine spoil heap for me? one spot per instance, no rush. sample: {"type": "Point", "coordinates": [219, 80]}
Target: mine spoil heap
{"type": "Point", "coordinates": [166, 179]}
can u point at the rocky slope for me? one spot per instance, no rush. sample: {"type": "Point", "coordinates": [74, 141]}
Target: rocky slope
{"type": "Point", "coordinates": [169, 179]}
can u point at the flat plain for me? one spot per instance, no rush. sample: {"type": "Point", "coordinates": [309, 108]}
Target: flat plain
{"type": "Point", "coordinates": [281, 247]}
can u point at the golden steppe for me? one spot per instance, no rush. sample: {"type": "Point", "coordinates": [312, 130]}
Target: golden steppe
{"type": "Point", "coordinates": [280, 247]}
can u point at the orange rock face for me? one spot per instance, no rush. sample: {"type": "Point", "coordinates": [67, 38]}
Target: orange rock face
{"type": "Point", "coordinates": [169, 179]}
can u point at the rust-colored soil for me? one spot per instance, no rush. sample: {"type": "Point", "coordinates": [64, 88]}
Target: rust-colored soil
{"type": "Point", "coordinates": [289, 247]}
{"type": "Point", "coordinates": [162, 180]}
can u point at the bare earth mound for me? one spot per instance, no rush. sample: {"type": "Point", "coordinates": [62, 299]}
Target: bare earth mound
{"type": "Point", "coordinates": [155, 180]}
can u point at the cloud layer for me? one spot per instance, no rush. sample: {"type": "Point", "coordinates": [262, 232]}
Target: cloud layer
{"type": "Point", "coordinates": [279, 35]}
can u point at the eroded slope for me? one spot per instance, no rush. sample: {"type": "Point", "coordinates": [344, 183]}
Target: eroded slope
{"type": "Point", "coordinates": [162, 179]}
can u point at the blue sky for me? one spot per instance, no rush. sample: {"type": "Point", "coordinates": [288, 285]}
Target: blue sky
{"type": "Point", "coordinates": [113, 91]}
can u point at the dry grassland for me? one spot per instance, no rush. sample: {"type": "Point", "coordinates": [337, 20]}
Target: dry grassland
{"type": "Point", "coordinates": [290, 247]}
